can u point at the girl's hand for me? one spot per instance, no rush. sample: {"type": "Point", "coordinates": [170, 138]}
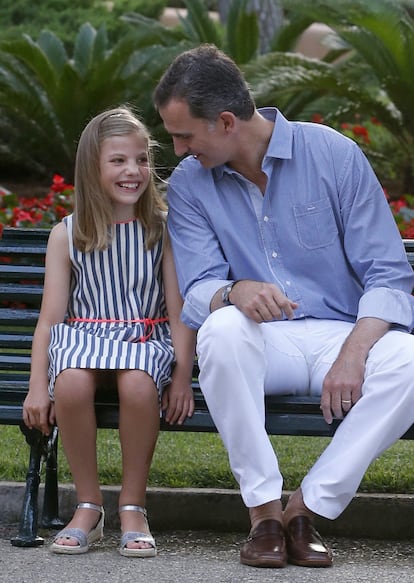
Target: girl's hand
{"type": "Point", "coordinates": [178, 402]}
{"type": "Point", "coordinates": [39, 412]}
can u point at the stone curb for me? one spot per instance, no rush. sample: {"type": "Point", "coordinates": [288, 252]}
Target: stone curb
{"type": "Point", "coordinates": [377, 516]}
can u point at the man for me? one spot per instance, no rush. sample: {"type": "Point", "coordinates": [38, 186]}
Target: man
{"type": "Point", "coordinates": [292, 268]}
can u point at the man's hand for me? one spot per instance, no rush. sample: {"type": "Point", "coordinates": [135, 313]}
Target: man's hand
{"type": "Point", "coordinates": [342, 386]}
{"type": "Point", "coordinates": [260, 301]}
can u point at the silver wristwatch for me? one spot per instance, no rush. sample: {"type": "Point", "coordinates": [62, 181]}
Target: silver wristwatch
{"type": "Point", "coordinates": [225, 293]}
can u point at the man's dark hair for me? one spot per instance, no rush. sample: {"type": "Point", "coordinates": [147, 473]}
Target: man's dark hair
{"type": "Point", "coordinates": [208, 81]}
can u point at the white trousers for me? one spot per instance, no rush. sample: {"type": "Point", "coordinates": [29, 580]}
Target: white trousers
{"type": "Point", "coordinates": [241, 361]}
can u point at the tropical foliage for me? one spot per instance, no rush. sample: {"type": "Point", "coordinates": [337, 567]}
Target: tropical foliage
{"type": "Point", "coordinates": [238, 36]}
{"type": "Point", "coordinates": [47, 96]}
{"type": "Point", "coordinates": [368, 70]}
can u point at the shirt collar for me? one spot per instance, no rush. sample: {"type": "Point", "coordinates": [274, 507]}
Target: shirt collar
{"type": "Point", "coordinates": [281, 142]}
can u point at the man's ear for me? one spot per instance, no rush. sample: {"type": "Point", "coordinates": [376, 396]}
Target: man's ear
{"type": "Point", "coordinates": [228, 120]}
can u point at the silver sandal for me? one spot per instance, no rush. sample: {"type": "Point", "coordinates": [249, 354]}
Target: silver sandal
{"type": "Point", "coordinates": [136, 537]}
{"type": "Point", "coordinates": [82, 538]}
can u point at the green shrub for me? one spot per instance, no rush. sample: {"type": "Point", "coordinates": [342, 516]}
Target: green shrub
{"type": "Point", "coordinates": [64, 18]}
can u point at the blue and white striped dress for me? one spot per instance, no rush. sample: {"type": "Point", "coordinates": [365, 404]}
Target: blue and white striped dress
{"type": "Point", "coordinates": [122, 283]}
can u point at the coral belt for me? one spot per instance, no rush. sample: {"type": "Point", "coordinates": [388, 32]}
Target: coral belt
{"type": "Point", "coordinates": [149, 324]}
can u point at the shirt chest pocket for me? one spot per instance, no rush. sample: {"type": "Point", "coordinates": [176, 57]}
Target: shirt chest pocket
{"type": "Point", "coordinates": [315, 224]}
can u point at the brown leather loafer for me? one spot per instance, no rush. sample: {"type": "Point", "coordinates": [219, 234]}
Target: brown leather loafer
{"type": "Point", "coordinates": [304, 544]}
{"type": "Point", "coordinates": [265, 546]}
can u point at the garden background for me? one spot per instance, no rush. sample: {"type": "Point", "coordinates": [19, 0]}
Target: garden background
{"type": "Point", "coordinates": [53, 80]}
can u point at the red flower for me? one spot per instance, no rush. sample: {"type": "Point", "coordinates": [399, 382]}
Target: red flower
{"type": "Point", "coordinates": [59, 184]}
{"type": "Point", "coordinates": [317, 118]}
{"type": "Point", "coordinates": [60, 211]}
{"type": "Point", "coordinates": [29, 203]}
{"type": "Point", "coordinates": [407, 230]}
{"type": "Point", "coordinates": [48, 200]}
{"type": "Point", "coordinates": [397, 205]}
{"type": "Point", "coordinates": [362, 132]}
{"type": "Point", "coordinates": [20, 215]}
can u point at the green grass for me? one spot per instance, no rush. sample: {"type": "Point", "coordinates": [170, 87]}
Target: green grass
{"type": "Point", "coordinates": [199, 460]}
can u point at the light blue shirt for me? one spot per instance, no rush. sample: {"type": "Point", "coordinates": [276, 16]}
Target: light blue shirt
{"type": "Point", "coordinates": [323, 231]}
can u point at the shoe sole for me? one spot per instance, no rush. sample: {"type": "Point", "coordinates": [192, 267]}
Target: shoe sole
{"type": "Point", "coordinates": [138, 553]}
{"type": "Point", "coordinates": [316, 564]}
{"type": "Point", "coordinates": [67, 550]}
{"type": "Point", "coordinates": [266, 563]}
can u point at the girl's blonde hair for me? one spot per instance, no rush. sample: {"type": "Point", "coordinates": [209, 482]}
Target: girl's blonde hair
{"type": "Point", "coordinates": [93, 216]}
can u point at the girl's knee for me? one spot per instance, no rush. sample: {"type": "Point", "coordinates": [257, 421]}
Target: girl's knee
{"type": "Point", "coordinates": [75, 383]}
{"type": "Point", "coordinates": [136, 386]}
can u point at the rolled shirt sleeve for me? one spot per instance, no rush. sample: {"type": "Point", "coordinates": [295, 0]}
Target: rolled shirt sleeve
{"type": "Point", "coordinates": [197, 302]}
{"type": "Point", "coordinates": [391, 305]}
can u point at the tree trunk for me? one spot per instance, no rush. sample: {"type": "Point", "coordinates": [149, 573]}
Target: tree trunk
{"type": "Point", "coordinates": [269, 14]}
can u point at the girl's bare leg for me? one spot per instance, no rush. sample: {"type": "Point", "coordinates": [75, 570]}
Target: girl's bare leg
{"type": "Point", "coordinates": [75, 415]}
{"type": "Point", "coordinates": [139, 418]}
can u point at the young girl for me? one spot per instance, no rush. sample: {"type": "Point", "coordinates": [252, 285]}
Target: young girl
{"type": "Point", "coordinates": [110, 282]}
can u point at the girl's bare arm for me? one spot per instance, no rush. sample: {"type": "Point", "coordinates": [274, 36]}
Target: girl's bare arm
{"type": "Point", "coordinates": [38, 411]}
{"type": "Point", "coordinates": [178, 399]}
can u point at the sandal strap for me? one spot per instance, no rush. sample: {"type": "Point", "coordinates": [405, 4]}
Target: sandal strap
{"type": "Point", "coordinates": [76, 533]}
{"type": "Point", "coordinates": [91, 506]}
{"type": "Point", "coordinates": [137, 537]}
{"type": "Point", "coordinates": [133, 508]}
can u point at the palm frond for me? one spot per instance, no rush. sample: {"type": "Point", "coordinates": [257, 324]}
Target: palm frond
{"type": "Point", "coordinates": [198, 25]}
{"type": "Point", "coordinates": [242, 38]}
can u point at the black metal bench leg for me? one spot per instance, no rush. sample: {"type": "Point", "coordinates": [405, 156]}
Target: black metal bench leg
{"type": "Point", "coordinates": [27, 536]}
{"type": "Point", "coordinates": [50, 514]}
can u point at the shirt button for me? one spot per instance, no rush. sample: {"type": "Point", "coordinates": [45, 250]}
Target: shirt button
{"type": "Point", "coordinates": [265, 219]}
{"type": "Point", "coordinates": [274, 254]}
{"type": "Point", "coordinates": [287, 282]}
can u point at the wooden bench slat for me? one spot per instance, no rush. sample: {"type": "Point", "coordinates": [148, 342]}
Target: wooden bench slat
{"type": "Point", "coordinates": [13, 385]}
{"type": "Point", "coordinates": [24, 317]}
{"type": "Point", "coordinates": [23, 249]}
{"type": "Point", "coordinates": [14, 362]}
{"type": "Point", "coordinates": [10, 414]}
{"type": "Point", "coordinates": [9, 272]}
{"type": "Point", "coordinates": [20, 234]}
{"type": "Point", "coordinates": [14, 292]}
{"type": "Point", "coordinates": [14, 338]}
